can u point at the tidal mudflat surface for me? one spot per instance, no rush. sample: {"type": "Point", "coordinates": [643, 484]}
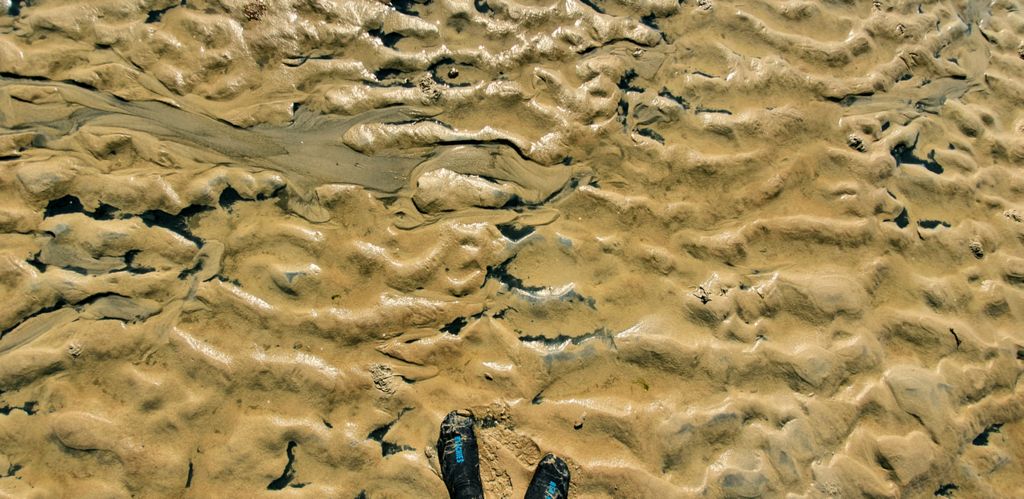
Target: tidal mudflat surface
{"type": "Point", "coordinates": [259, 248]}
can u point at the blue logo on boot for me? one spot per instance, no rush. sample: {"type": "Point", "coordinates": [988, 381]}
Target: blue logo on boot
{"type": "Point", "coordinates": [459, 458]}
{"type": "Point", "coordinates": [552, 491]}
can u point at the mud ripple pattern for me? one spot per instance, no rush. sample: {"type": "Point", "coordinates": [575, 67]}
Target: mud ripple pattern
{"type": "Point", "coordinates": [706, 248]}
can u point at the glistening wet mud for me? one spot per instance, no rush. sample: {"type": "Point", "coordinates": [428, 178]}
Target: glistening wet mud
{"type": "Point", "coordinates": [696, 249]}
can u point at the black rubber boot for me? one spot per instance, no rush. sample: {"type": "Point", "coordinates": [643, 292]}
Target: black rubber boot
{"type": "Point", "coordinates": [460, 461]}
{"type": "Point", "coordinates": [550, 481]}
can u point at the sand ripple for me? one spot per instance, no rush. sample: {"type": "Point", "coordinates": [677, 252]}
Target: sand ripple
{"type": "Point", "coordinates": [703, 248]}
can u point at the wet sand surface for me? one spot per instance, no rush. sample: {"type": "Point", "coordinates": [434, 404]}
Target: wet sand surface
{"type": "Point", "coordinates": [712, 248]}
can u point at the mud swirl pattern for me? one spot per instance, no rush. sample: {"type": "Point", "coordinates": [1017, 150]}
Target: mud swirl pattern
{"type": "Point", "coordinates": [707, 248]}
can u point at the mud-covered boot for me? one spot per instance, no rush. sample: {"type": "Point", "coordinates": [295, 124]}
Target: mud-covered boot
{"type": "Point", "coordinates": [460, 461]}
{"type": "Point", "coordinates": [550, 481]}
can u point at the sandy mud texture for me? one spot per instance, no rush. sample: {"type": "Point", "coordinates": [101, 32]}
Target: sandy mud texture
{"type": "Point", "coordinates": [718, 248]}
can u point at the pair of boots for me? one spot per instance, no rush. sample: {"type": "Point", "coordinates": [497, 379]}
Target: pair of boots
{"type": "Point", "coordinates": [460, 464]}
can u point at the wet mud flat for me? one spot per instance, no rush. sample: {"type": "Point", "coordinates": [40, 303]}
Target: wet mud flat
{"type": "Point", "coordinates": [701, 248]}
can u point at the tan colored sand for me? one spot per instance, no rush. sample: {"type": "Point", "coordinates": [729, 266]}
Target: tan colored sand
{"type": "Point", "coordinates": [696, 249]}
